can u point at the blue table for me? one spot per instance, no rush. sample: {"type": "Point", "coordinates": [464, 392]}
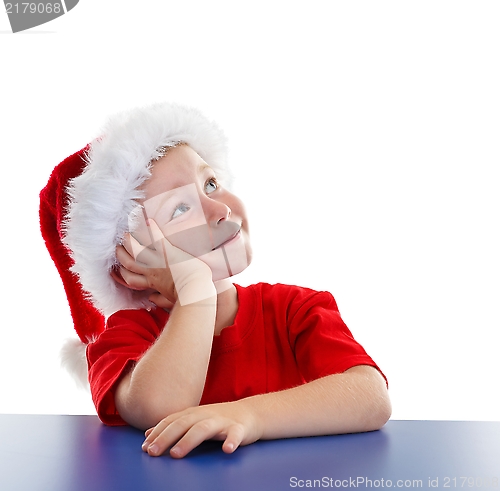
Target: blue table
{"type": "Point", "coordinates": [56, 453]}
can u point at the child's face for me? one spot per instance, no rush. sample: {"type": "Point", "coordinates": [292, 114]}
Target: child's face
{"type": "Point", "coordinates": [196, 214]}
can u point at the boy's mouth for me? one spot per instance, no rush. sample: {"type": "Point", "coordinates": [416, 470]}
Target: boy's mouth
{"type": "Point", "coordinates": [202, 239]}
{"type": "Point", "coordinates": [231, 238]}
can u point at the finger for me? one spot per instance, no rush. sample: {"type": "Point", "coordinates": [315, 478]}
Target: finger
{"type": "Point", "coordinates": [144, 256]}
{"type": "Point", "coordinates": [128, 261]}
{"type": "Point", "coordinates": [156, 431]}
{"type": "Point", "coordinates": [134, 281]}
{"type": "Point", "coordinates": [171, 253]}
{"type": "Point", "coordinates": [115, 274]}
{"type": "Point", "coordinates": [168, 436]}
{"type": "Point", "coordinates": [160, 301]}
{"type": "Point", "coordinates": [132, 245]}
{"type": "Point", "coordinates": [197, 434]}
{"type": "Point", "coordinates": [235, 436]}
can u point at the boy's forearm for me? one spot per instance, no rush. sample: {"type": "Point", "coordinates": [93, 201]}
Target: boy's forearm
{"type": "Point", "coordinates": [350, 402]}
{"type": "Point", "coordinates": [171, 375]}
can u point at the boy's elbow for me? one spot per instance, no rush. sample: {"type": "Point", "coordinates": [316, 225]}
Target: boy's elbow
{"type": "Point", "coordinates": [382, 411]}
{"type": "Point", "coordinates": [379, 407]}
{"type": "Point", "coordinates": [376, 408]}
{"type": "Point", "coordinates": [137, 409]}
{"type": "Point", "coordinates": [142, 415]}
{"type": "Point", "coordinates": [143, 409]}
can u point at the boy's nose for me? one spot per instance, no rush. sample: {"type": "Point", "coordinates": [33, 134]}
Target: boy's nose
{"type": "Point", "coordinates": [216, 212]}
{"type": "Point", "coordinates": [203, 239]}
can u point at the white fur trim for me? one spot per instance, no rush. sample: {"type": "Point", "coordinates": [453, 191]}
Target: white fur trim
{"type": "Point", "coordinates": [102, 198]}
{"type": "Point", "coordinates": [74, 360]}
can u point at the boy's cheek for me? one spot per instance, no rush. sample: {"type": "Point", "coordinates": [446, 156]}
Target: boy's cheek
{"type": "Point", "coordinates": [239, 254]}
{"type": "Point", "coordinates": [195, 240]}
{"type": "Point", "coordinates": [229, 260]}
{"type": "Point", "coordinates": [192, 219]}
{"type": "Point", "coordinates": [202, 239]}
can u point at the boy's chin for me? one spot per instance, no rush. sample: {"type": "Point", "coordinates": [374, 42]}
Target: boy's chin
{"type": "Point", "coordinates": [219, 275]}
{"type": "Point", "coordinates": [227, 263]}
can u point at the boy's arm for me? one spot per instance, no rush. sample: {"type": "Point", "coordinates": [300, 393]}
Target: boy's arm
{"type": "Point", "coordinates": [171, 375]}
{"type": "Point", "coordinates": [349, 402]}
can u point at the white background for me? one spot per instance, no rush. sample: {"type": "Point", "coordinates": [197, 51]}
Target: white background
{"type": "Point", "coordinates": [364, 136]}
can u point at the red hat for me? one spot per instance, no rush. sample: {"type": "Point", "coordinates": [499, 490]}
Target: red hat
{"type": "Point", "coordinates": [54, 200]}
{"type": "Point", "coordinates": [91, 197]}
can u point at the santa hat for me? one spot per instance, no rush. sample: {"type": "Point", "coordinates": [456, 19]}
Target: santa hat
{"type": "Point", "coordinates": [87, 205]}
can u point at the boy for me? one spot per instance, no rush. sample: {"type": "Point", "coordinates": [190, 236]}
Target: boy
{"type": "Point", "coordinates": [153, 237]}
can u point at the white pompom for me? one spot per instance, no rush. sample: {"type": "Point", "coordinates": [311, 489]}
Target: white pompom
{"type": "Point", "coordinates": [74, 360]}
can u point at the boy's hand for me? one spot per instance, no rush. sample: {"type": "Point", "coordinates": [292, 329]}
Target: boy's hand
{"type": "Point", "coordinates": [157, 298]}
{"type": "Point", "coordinates": [172, 272]}
{"type": "Point", "coordinates": [232, 422]}
{"type": "Point", "coordinates": [160, 301]}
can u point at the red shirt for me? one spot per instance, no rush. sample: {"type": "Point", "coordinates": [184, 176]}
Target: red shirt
{"type": "Point", "coordinates": [282, 336]}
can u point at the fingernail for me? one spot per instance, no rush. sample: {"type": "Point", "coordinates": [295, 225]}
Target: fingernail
{"type": "Point", "coordinates": [145, 445]}
{"type": "Point", "coordinates": [175, 451]}
{"type": "Point", "coordinates": [153, 449]}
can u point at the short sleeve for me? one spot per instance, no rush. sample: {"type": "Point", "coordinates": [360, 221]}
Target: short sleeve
{"type": "Point", "coordinates": [322, 342]}
{"type": "Point", "coordinates": [128, 335]}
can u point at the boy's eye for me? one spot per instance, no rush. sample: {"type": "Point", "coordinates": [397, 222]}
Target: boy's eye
{"type": "Point", "coordinates": [211, 185]}
{"type": "Point", "coordinates": [179, 210]}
